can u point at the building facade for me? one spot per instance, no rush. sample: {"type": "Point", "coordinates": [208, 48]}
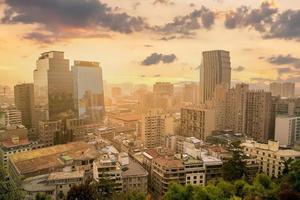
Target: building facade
{"type": "Point", "coordinates": [214, 70]}
{"type": "Point", "coordinates": [287, 130]}
{"type": "Point", "coordinates": [24, 101]}
{"type": "Point", "coordinates": [197, 122]}
{"type": "Point", "coordinates": [155, 125]}
{"type": "Point", "coordinates": [88, 90]}
{"type": "Point", "coordinates": [53, 86]}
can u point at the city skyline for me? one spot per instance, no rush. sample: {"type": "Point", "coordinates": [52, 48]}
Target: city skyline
{"type": "Point", "coordinates": [152, 48]}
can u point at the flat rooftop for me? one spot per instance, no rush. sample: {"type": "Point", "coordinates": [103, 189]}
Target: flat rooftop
{"type": "Point", "coordinates": [128, 117]}
{"type": "Point", "coordinates": [51, 157]}
{"type": "Point", "coordinates": [134, 169]}
{"type": "Point", "coordinates": [66, 175]}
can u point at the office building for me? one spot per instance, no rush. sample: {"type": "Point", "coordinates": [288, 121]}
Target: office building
{"type": "Point", "coordinates": [287, 130]}
{"type": "Point", "coordinates": [155, 125]}
{"type": "Point", "coordinates": [214, 70]}
{"type": "Point", "coordinates": [53, 86]}
{"type": "Point", "coordinates": [197, 121]}
{"type": "Point", "coordinates": [88, 90]}
{"type": "Point", "coordinates": [270, 157]}
{"type": "Point", "coordinates": [24, 102]}
{"type": "Point", "coordinates": [284, 89]}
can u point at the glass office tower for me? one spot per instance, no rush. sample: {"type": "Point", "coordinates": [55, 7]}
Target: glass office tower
{"type": "Point", "coordinates": [88, 90]}
{"type": "Point", "coordinates": [53, 86]}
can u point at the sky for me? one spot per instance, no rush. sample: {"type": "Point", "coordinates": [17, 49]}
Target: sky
{"type": "Point", "coordinates": [144, 41]}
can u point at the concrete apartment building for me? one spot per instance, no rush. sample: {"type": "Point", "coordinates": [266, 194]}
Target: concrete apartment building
{"type": "Point", "coordinates": [270, 157]}
{"type": "Point", "coordinates": [155, 125]}
{"type": "Point", "coordinates": [164, 167]}
{"type": "Point", "coordinates": [258, 115]}
{"type": "Point", "coordinates": [107, 167]}
{"type": "Point", "coordinates": [214, 70]}
{"type": "Point", "coordinates": [236, 102]}
{"type": "Point", "coordinates": [13, 144]}
{"type": "Point", "coordinates": [287, 130]}
{"type": "Point", "coordinates": [249, 112]}
{"type": "Point", "coordinates": [198, 121]}
{"type": "Point", "coordinates": [12, 117]}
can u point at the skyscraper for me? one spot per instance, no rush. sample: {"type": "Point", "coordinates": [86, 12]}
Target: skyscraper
{"type": "Point", "coordinates": [88, 90]}
{"type": "Point", "coordinates": [215, 70]}
{"type": "Point", "coordinates": [24, 101]}
{"type": "Point", "coordinates": [53, 86]}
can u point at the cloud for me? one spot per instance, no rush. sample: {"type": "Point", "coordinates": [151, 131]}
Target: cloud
{"type": "Point", "coordinates": [258, 19]}
{"type": "Point", "coordinates": [239, 69]}
{"type": "Point", "coordinates": [156, 58]}
{"type": "Point", "coordinates": [284, 70]}
{"type": "Point", "coordinates": [284, 60]}
{"type": "Point", "coordinates": [185, 25]}
{"type": "Point", "coordinates": [286, 26]}
{"type": "Point", "coordinates": [157, 75]}
{"type": "Point", "coordinates": [59, 17]}
{"type": "Point", "coordinates": [165, 2]}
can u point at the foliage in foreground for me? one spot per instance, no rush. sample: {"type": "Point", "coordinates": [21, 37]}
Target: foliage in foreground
{"type": "Point", "coordinates": [262, 188]}
{"type": "Point", "coordinates": [8, 190]}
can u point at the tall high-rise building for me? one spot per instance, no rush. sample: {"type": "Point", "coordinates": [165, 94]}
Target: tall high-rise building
{"type": "Point", "coordinates": [285, 89]}
{"type": "Point", "coordinates": [155, 126]}
{"type": "Point", "coordinates": [215, 70]}
{"type": "Point", "coordinates": [258, 115]}
{"type": "Point", "coordinates": [53, 85]}
{"type": "Point", "coordinates": [24, 101]}
{"type": "Point", "coordinates": [249, 112]}
{"type": "Point", "coordinates": [88, 90]}
{"type": "Point", "coordinates": [235, 111]}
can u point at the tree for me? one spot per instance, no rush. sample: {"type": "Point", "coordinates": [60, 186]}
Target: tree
{"type": "Point", "coordinates": [235, 167]}
{"type": "Point", "coordinates": [83, 191]}
{"type": "Point", "coordinates": [8, 189]}
{"type": "Point", "coordinates": [42, 196]}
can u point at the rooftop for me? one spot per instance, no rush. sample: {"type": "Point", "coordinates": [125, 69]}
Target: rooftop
{"type": "Point", "coordinates": [128, 117]}
{"type": "Point", "coordinates": [134, 169]}
{"type": "Point", "coordinates": [46, 158]}
{"type": "Point", "coordinates": [169, 163]}
{"type": "Point", "coordinates": [66, 175]}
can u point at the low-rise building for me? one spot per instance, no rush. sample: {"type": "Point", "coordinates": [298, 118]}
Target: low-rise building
{"type": "Point", "coordinates": [270, 156]}
{"type": "Point", "coordinates": [68, 157]}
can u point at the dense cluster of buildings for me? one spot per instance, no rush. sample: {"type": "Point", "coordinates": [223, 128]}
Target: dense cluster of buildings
{"type": "Point", "coordinates": [57, 133]}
